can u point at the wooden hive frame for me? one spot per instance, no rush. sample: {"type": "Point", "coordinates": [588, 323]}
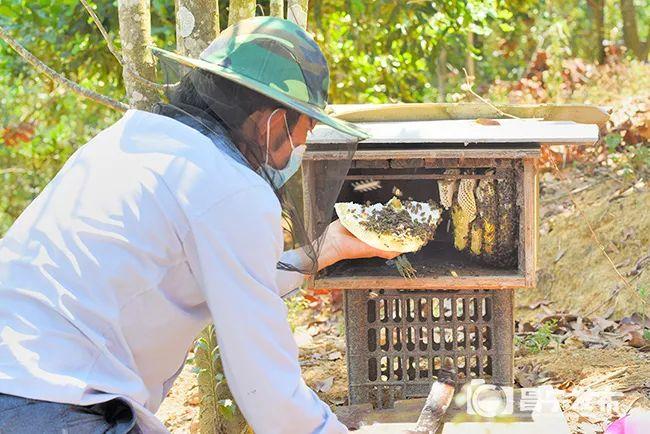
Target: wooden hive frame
{"type": "Point", "coordinates": [523, 162]}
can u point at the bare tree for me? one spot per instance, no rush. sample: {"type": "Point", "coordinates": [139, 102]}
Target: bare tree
{"type": "Point", "coordinates": [197, 24]}
{"type": "Point", "coordinates": [631, 31]}
{"type": "Point", "coordinates": [277, 8]}
{"type": "Point", "coordinates": [297, 12]}
{"type": "Point", "coordinates": [135, 33]}
{"type": "Point", "coordinates": [470, 65]}
{"type": "Point", "coordinates": [240, 10]}
{"type": "Point", "coordinates": [441, 73]}
{"type": "Point", "coordinates": [598, 11]}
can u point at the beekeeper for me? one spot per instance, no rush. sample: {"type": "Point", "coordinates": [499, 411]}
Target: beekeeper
{"type": "Point", "coordinates": [163, 223]}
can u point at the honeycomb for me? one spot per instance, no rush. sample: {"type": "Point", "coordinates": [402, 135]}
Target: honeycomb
{"type": "Point", "coordinates": [466, 198]}
{"type": "Point", "coordinates": [447, 188]}
{"type": "Point", "coordinates": [484, 218]}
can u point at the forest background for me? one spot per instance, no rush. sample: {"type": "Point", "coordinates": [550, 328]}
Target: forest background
{"type": "Point", "coordinates": [520, 51]}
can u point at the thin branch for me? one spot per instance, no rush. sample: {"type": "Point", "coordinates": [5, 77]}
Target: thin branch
{"type": "Point", "coordinates": [591, 229]}
{"type": "Point", "coordinates": [467, 87]}
{"type": "Point", "coordinates": [58, 78]}
{"type": "Point", "coordinates": [116, 53]}
{"type": "Point", "coordinates": [13, 170]}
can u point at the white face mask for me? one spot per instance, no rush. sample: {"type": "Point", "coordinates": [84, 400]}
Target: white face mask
{"type": "Point", "coordinates": [279, 177]}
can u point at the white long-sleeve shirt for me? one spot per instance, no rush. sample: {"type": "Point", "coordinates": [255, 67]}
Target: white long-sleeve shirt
{"type": "Point", "coordinates": [146, 235]}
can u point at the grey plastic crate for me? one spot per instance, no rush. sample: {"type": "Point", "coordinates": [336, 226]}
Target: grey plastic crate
{"type": "Point", "coordinates": [397, 340]}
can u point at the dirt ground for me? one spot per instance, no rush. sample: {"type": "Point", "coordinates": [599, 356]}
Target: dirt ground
{"type": "Point", "coordinates": [573, 274]}
{"type": "Point", "coordinates": [574, 277]}
{"type": "Point", "coordinates": [179, 411]}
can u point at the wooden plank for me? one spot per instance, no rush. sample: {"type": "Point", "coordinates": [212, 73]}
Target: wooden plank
{"type": "Point", "coordinates": [406, 163]}
{"type": "Point", "coordinates": [421, 176]}
{"type": "Point", "coordinates": [370, 164]}
{"type": "Point", "coordinates": [386, 154]}
{"type": "Point", "coordinates": [530, 216]}
{"type": "Point", "coordinates": [435, 163]}
{"type": "Point", "coordinates": [309, 194]}
{"type": "Point", "coordinates": [463, 132]}
{"type": "Point", "coordinates": [511, 281]}
{"type": "Point", "coordinates": [581, 113]}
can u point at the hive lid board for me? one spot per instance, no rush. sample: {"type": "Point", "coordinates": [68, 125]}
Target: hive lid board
{"type": "Point", "coordinates": [465, 131]}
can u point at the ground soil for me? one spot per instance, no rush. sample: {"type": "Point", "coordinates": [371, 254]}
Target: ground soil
{"type": "Point", "coordinates": [179, 411]}
{"type": "Point", "coordinates": [573, 273]}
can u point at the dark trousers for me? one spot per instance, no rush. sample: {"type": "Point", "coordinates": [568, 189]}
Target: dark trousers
{"type": "Point", "coordinates": [26, 416]}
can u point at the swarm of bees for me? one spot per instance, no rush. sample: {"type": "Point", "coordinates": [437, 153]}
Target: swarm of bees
{"type": "Point", "coordinates": [484, 217]}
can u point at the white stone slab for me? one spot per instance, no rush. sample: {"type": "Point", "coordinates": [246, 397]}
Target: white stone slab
{"type": "Point", "coordinates": [465, 132]}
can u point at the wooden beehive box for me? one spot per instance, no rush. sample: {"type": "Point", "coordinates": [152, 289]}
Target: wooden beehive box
{"type": "Point", "coordinates": [411, 145]}
{"type": "Point", "coordinates": [459, 309]}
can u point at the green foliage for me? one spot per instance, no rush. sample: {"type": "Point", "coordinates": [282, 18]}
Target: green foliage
{"type": "Point", "coordinates": [539, 340]}
{"type": "Point", "coordinates": [385, 51]}
{"type": "Point", "coordinates": [218, 411]}
{"type": "Point", "coordinates": [613, 140]}
{"type": "Point", "coordinates": [295, 306]}
{"type": "Point", "coordinates": [62, 35]}
{"type": "Point", "coordinates": [643, 291]}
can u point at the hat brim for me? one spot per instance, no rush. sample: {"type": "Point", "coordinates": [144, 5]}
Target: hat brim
{"type": "Point", "coordinates": [307, 109]}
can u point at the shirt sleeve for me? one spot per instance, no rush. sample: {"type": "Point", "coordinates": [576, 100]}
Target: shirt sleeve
{"type": "Point", "coordinates": [289, 280]}
{"type": "Point", "coordinates": [233, 251]}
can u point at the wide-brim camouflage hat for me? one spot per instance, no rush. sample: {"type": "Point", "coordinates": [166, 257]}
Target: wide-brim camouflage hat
{"type": "Point", "coordinates": [276, 58]}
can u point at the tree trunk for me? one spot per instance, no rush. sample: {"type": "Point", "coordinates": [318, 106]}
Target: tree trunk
{"type": "Point", "coordinates": [277, 8]}
{"type": "Point", "coordinates": [441, 72]}
{"type": "Point", "coordinates": [240, 10]}
{"type": "Point", "coordinates": [599, 28]}
{"type": "Point", "coordinates": [197, 24]}
{"type": "Point", "coordinates": [297, 12]}
{"type": "Point", "coordinates": [470, 65]}
{"type": "Point", "coordinates": [135, 33]}
{"type": "Point", "coordinates": [631, 31]}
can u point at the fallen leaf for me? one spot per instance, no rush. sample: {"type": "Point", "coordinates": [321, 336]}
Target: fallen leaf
{"type": "Point", "coordinates": [325, 385]}
{"type": "Point", "coordinates": [313, 330]}
{"type": "Point", "coordinates": [637, 340]}
{"type": "Point", "coordinates": [538, 304]}
{"type": "Point", "coordinates": [483, 121]}
{"type": "Point", "coordinates": [194, 399]}
{"type": "Point", "coordinates": [603, 324]}
{"type": "Point", "coordinates": [527, 327]}
{"type": "Point", "coordinates": [587, 428]}
{"type": "Point", "coordinates": [566, 385]}
{"type": "Point", "coordinates": [335, 355]}
{"type": "Point", "coordinates": [302, 337]}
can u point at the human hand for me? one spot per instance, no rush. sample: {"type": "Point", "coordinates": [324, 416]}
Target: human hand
{"type": "Point", "coordinates": [340, 244]}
